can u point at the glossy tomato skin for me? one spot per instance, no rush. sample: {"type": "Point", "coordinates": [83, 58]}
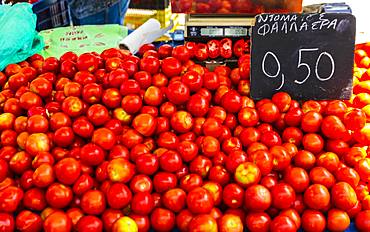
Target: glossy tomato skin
{"type": "Point", "coordinates": [174, 199]}
{"type": "Point", "coordinates": [89, 223]}
{"type": "Point", "coordinates": [162, 219]}
{"type": "Point", "coordinates": [257, 198]}
{"type": "Point", "coordinates": [142, 203]}
{"type": "Point", "coordinates": [344, 196]}
{"type": "Point", "coordinates": [57, 221]}
{"type": "Point", "coordinates": [282, 223]}
{"type": "Point", "coordinates": [233, 195]}
{"type": "Point", "coordinates": [164, 181]}
{"type": "Point", "coordinates": [10, 198]}
{"type": "Point", "coordinates": [93, 202]}
{"type": "Point", "coordinates": [190, 182]}
{"type": "Point", "coordinates": [297, 178]}
{"type": "Point", "coordinates": [313, 220]}
{"type": "Point", "coordinates": [317, 197]}
{"type": "Point", "coordinates": [118, 196]}
{"type": "Point", "coordinates": [230, 222]}
{"type": "Point", "coordinates": [203, 223]}
{"type": "Point", "coordinates": [7, 222]}
{"type": "Point", "coordinates": [338, 220]}
{"type": "Point", "coordinates": [320, 175]}
{"type": "Point", "coordinates": [58, 195]}
{"type": "Point", "coordinates": [283, 196]}
{"type": "Point", "coordinates": [199, 200]}
{"type": "Point", "coordinates": [171, 66]}
{"type": "Point", "coordinates": [258, 221]}
{"type": "Point", "coordinates": [362, 220]}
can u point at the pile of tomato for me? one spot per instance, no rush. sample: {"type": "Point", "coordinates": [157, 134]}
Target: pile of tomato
{"type": "Point", "coordinates": [119, 142]}
{"type": "Point", "coordinates": [224, 49]}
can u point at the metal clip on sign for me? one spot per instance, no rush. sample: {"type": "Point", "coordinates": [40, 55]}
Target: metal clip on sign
{"type": "Point", "coordinates": [146, 33]}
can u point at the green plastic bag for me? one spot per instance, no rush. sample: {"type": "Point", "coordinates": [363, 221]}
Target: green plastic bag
{"type": "Point", "coordinates": [19, 39]}
{"type": "Point", "coordinates": [81, 39]}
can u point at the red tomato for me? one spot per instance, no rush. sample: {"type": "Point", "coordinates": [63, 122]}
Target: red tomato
{"type": "Point", "coordinates": [297, 178]}
{"type": "Point", "coordinates": [338, 220]}
{"type": "Point", "coordinates": [226, 46]}
{"type": "Point", "coordinates": [283, 196]}
{"type": "Point", "coordinates": [257, 198]}
{"type": "Point", "coordinates": [317, 197]}
{"type": "Point", "coordinates": [258, 222]}
{"type": "Point", "coordinates": [199, 200]}
{"type": "Point", "coordinates": [233, 195]}
{"type": "Point", "coordinates": [203, 223]}
{"type": "Point", "coordinates": [230, 223]}
{"type": "Point", "coordinates": [362, 220]}
{"type": "Point", "coordinates": [240, 48]}
{"type": "Point", "coordinates": [57, 221]}
{"type": "Point", "coordinates": [282, 223]}
{"type": "Point", "coordinates": [344, 196]}
{"type": "Point", "coordinates": [162, 219]}
{"type": "Point", "coordinates": [201, 52]}
{"type": "Point", "coordinates": [313, 220]}
{"type": "Point", "coordinates": [213, 48]}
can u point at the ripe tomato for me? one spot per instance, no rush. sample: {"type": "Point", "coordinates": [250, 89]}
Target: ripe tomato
{"type": "Point", "coordinates": [344, 196]}
{"type": "Point", "coordinates": [213, 48]}
{"type": "Point", "coordinates": [283, 196]}
{"type": "Point", "coordinates": [118, 196]}
{"type": "Point", "coordinates": [199, 200]}
{"type": "Point", "coordinates": [233, 196]}
{"type": "Point", "coordinates": [171, 67]}
{"type": "Point", "coordinates": [313, 142]}
{"type": "Point", "coordinates": [362, 220]}
{"type": "Point", "coordinates": [282, 223]}
{"type": "Point", "coordinates": [257, 198]}
{"type": "Point", "coordinates": [240, 48]}
{"type": "Point", "coordinates": [201, 51]}
{"type": "Point", "coordinates": [258, 222]}
{"type": "Point", "coordinates": [178, 93]}
{"type": "Point", "coordinates": [268, 112]}
{"type": "Point", "coordinates": [181, 53]}
{"type": "Point", "coordinates": [203, 223]}
{"type": "Point", "coordinates": [338, 220]}
{"type": "Point", "coordinates": [230, 223]}
{"type": "Point", "coordinates": [333, 128]}
{"type": "Point", "coordinates": [226, 46]}
{"type": "Point", "coordinates": [162, 219]}
{"type": "Point", "coordinates": [317, 197]}
{"type": "Point", "coordinates": [313, 221]}
{"type": "Point", "coordinates": [297, 178]}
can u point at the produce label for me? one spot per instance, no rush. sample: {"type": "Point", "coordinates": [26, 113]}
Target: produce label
{"type": "Point", "coordinates": [310, 56]}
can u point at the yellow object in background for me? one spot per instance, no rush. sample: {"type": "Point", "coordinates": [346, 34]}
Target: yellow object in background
{"type": "Point", "coordinates": [136, 17]}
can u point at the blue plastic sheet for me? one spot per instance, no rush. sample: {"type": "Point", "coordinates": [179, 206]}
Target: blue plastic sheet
{"type": "Point", "coordinates": [88, 12]}
{"type": "Point", "coordinates": [18, 39]}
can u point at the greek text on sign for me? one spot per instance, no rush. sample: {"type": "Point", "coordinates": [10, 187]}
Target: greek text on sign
{"type": "Point", "coordinates": [308, 55]}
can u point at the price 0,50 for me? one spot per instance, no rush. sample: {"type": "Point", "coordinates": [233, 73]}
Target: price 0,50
{"type": "Point", "coordinates": [301, 64]}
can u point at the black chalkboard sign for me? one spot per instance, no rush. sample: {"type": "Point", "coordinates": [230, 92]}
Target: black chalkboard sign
{"type": "Point", "coordinates": [310, 56]}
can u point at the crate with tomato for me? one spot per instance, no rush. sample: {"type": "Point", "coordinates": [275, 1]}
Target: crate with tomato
{"type": "Point", "coordinates": [235, 6]}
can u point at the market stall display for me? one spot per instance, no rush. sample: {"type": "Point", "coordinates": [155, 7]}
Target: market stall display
{"type": "Point", "coordinates": [171, 138]}
{"type": "Point", "coordinates": [126, 143]}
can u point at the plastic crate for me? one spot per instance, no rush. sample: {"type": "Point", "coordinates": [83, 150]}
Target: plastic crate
{"type": "Point", "coordinates": [51, 14]}
{"type": "Point", "coordinates": [150, 4]}
{"type": "Point", "coordinates": [92, 12]}
{"type": "Point", "coordinates": [250, 7]}
{"type": "Point", "coordinates": [59, 13]}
